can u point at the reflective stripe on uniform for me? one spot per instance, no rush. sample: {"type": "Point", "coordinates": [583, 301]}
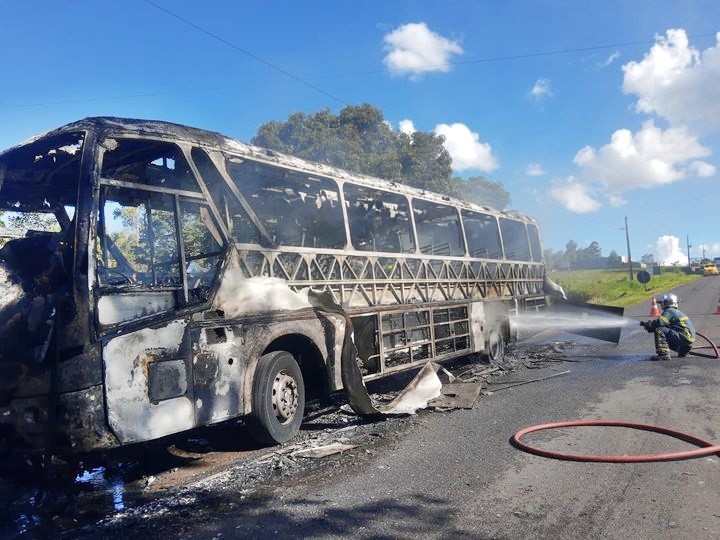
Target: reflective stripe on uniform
{"type": "Point", "coordinates": [687, 334]}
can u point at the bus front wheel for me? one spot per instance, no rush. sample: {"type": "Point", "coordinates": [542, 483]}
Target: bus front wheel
{"type": "Point", "coordinates": [278, 400]}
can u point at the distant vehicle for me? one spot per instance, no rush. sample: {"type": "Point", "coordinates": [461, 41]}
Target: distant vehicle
{"type": "Point", "coordinates": [710, 269]}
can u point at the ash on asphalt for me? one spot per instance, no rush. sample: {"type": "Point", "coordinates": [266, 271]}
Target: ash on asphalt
{"type": "Point", "coordinates": [192, 475]}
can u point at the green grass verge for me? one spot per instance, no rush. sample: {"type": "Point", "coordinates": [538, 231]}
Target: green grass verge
{"type": "Point", "coordinates": [614, 288]}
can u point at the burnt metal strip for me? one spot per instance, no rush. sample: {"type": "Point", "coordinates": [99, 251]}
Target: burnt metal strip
{"type": "Point", "coordinates": [148, 187]}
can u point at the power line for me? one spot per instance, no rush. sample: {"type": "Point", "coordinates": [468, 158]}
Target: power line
{"type": "Point", "coordinates": [245, 52]}
{"type": "Point", "coordinates": [336, 76]}
{"type": "Point", "coordinates": [142, 95]}
{"type": "Point", "coordinates": [567, 51]}
{"type": "Point", "coordinates": [520, 56]}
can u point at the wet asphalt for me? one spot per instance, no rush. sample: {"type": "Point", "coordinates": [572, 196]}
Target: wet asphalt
{"type": "Point", "coordinates": [436, 474]}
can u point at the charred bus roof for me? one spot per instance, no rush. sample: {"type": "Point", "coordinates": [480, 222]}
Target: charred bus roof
{"type": "Point", "coordinates": [113, 126]}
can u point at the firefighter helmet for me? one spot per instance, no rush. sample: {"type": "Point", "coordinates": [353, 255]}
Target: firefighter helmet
{"type": "Point", "coordinates": [668, 300]}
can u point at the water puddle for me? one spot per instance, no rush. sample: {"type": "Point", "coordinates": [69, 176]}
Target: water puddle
{"type": "Point", "coordinates": [97, 480]}
{"type": "Point", "coordinates": [35, 505]}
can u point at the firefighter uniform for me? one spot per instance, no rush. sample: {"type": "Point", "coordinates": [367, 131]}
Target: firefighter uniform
{"type": "Point", "coordinates": [673, 331]}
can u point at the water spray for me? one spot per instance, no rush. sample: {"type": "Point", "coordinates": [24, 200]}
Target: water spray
{"type": "Point", "coordinates": [570, 321]}
{"type": "Point", "coordinates": [599, 322]}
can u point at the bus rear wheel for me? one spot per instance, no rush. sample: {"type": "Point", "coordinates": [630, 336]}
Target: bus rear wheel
{"type": "Point", "coordinates": [278, 400]}
{"type": "Point", "coordinates": [495, 347]}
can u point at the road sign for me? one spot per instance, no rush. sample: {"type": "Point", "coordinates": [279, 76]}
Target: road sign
{"type": "Point", "coordinates": [643, 277]}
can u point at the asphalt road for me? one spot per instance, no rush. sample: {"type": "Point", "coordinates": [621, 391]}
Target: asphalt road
{"type": "Point", "coordinates": [455, 475]}
{"type": "Point", "coordinates": [441, 474]}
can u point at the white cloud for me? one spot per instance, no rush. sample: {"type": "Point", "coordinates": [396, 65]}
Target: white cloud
{"type": "Point", "coordinates": [414, 49]}
{"type": "Point", "coordinates": [667, 251]}
{"type": "Point", "coordinates": [406, 126]}
{"type": "Point", "coordinates": [616, 200]}
{"type": "Point", "coordinates": [711, 250]}
{"type": "Point", "coordinates": [541, 89]}
{"type": "Point", "coordinates": [575, 196]}
{"type": "Point", "coordinates": [610, 59]}
{"type": "Point", "coordinates": [534, 169]}
{"type": "Point", "coordinates": [677, 82]}
{"type": "Point", "coordinates": [465, 148]}
{"type": "Point", "coordinates": [648, 158]}
{"type": "Point", "coordinates": [702, 169]}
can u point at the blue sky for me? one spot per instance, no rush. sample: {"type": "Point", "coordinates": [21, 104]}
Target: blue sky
{"type": "Point", "coordinates": [626, 122]}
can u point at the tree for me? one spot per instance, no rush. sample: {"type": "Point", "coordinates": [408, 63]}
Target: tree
{"type": "Point", "coordinates": [593, 251]}
{"type": "Point", "coordinates": [648, 258]}
{"type": "Point", "coordinates": [425, 163]}
{"type": "Point", "coordinates": [614, 258]}
{"type": "Point", "coordinates": [480, 190]}
{"type": "Point", "coordinates": [37, 221]}
{"type": "Point", "coordinates": [359, 140]}
{"type": "Point", "coordinates": [571, 253]}
{"type": "Point", "coordinates": [553, 259]}
{"type": "Point", "coordinates": [23, 221]}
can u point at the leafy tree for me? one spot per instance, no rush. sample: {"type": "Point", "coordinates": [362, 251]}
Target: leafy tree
{"type": "Point", "coordinates": [37, 221]}
{"type": "Point", "coordinates": [593, 251]}
{"type": "Point", "coordinates": [22, 221]}
{"type": "Point", "coordinates": [358, 139]}
{"type": "Point", "coordinates": [480, 190]}
{"type": "Point", "coordinates": [614, 258]}
{"type": "Point", "coordinates": [426, 164]}
{"type": "Point", "coordinates": [133, 238]}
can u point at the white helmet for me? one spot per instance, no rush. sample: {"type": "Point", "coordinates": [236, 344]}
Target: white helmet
{"type": "Point", "coordinates": [668, 300]}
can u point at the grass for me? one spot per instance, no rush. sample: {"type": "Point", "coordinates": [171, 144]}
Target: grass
{"type": "Point", "coordinates": [614, 288]}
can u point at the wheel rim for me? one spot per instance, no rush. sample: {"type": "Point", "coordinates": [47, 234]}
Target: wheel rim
{"type": "Point", "coordinates": [284, 397]}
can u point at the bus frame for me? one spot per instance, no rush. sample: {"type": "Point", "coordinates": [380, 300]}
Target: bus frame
{"type": "Point", "coordinates": [222, 321]}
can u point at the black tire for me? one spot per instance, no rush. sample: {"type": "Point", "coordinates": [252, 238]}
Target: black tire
{"type": "Point", "coordinates": [278, 400]}
{"type": "Point", "coordinates": [495, 347]}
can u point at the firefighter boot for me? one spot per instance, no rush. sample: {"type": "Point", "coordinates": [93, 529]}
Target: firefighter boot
{"type": "Point", "coordinates": [661, 347]}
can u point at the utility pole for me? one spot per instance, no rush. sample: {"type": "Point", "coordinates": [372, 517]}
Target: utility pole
{"type": "Point", "coordinates": [688, 248]}
{"type": "Point", "coordinates": [627, 238]}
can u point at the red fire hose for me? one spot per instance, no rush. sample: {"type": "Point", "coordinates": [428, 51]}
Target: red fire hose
{"type": "Point", "coordinates": [706, 448]}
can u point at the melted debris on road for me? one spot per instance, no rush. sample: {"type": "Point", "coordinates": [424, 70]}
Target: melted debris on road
{"type": "Point", "coordinates": [138, 487]}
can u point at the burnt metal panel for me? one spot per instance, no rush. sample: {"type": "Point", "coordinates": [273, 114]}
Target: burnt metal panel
{"type": "Point", "coordinates": [132, 416]}
{"type": "Point", "coordinates": [167, 379]}
{"type": "Point", "coordinates": [457, 395]}
{"type": "Point", "coordinates": [79, 371]}
{"type": "Point", "coordinates": [81, 424]}
{"type": "Point", "coordinates": [218, 368]}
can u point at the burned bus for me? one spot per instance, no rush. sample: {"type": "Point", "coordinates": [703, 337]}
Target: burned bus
{"type": "Point", "coordinates": [178, 282]}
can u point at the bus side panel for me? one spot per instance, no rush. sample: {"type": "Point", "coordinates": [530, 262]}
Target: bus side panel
{"type": "Point", "coordinates": [477, 325]}
{"type": "Point", "coordinates": [130, 360]}
{"type": "Point", "coordinates": [218, 368]}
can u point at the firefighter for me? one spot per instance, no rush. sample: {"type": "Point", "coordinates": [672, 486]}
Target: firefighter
{"type": "Point", "coordinates": [673, 329]}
